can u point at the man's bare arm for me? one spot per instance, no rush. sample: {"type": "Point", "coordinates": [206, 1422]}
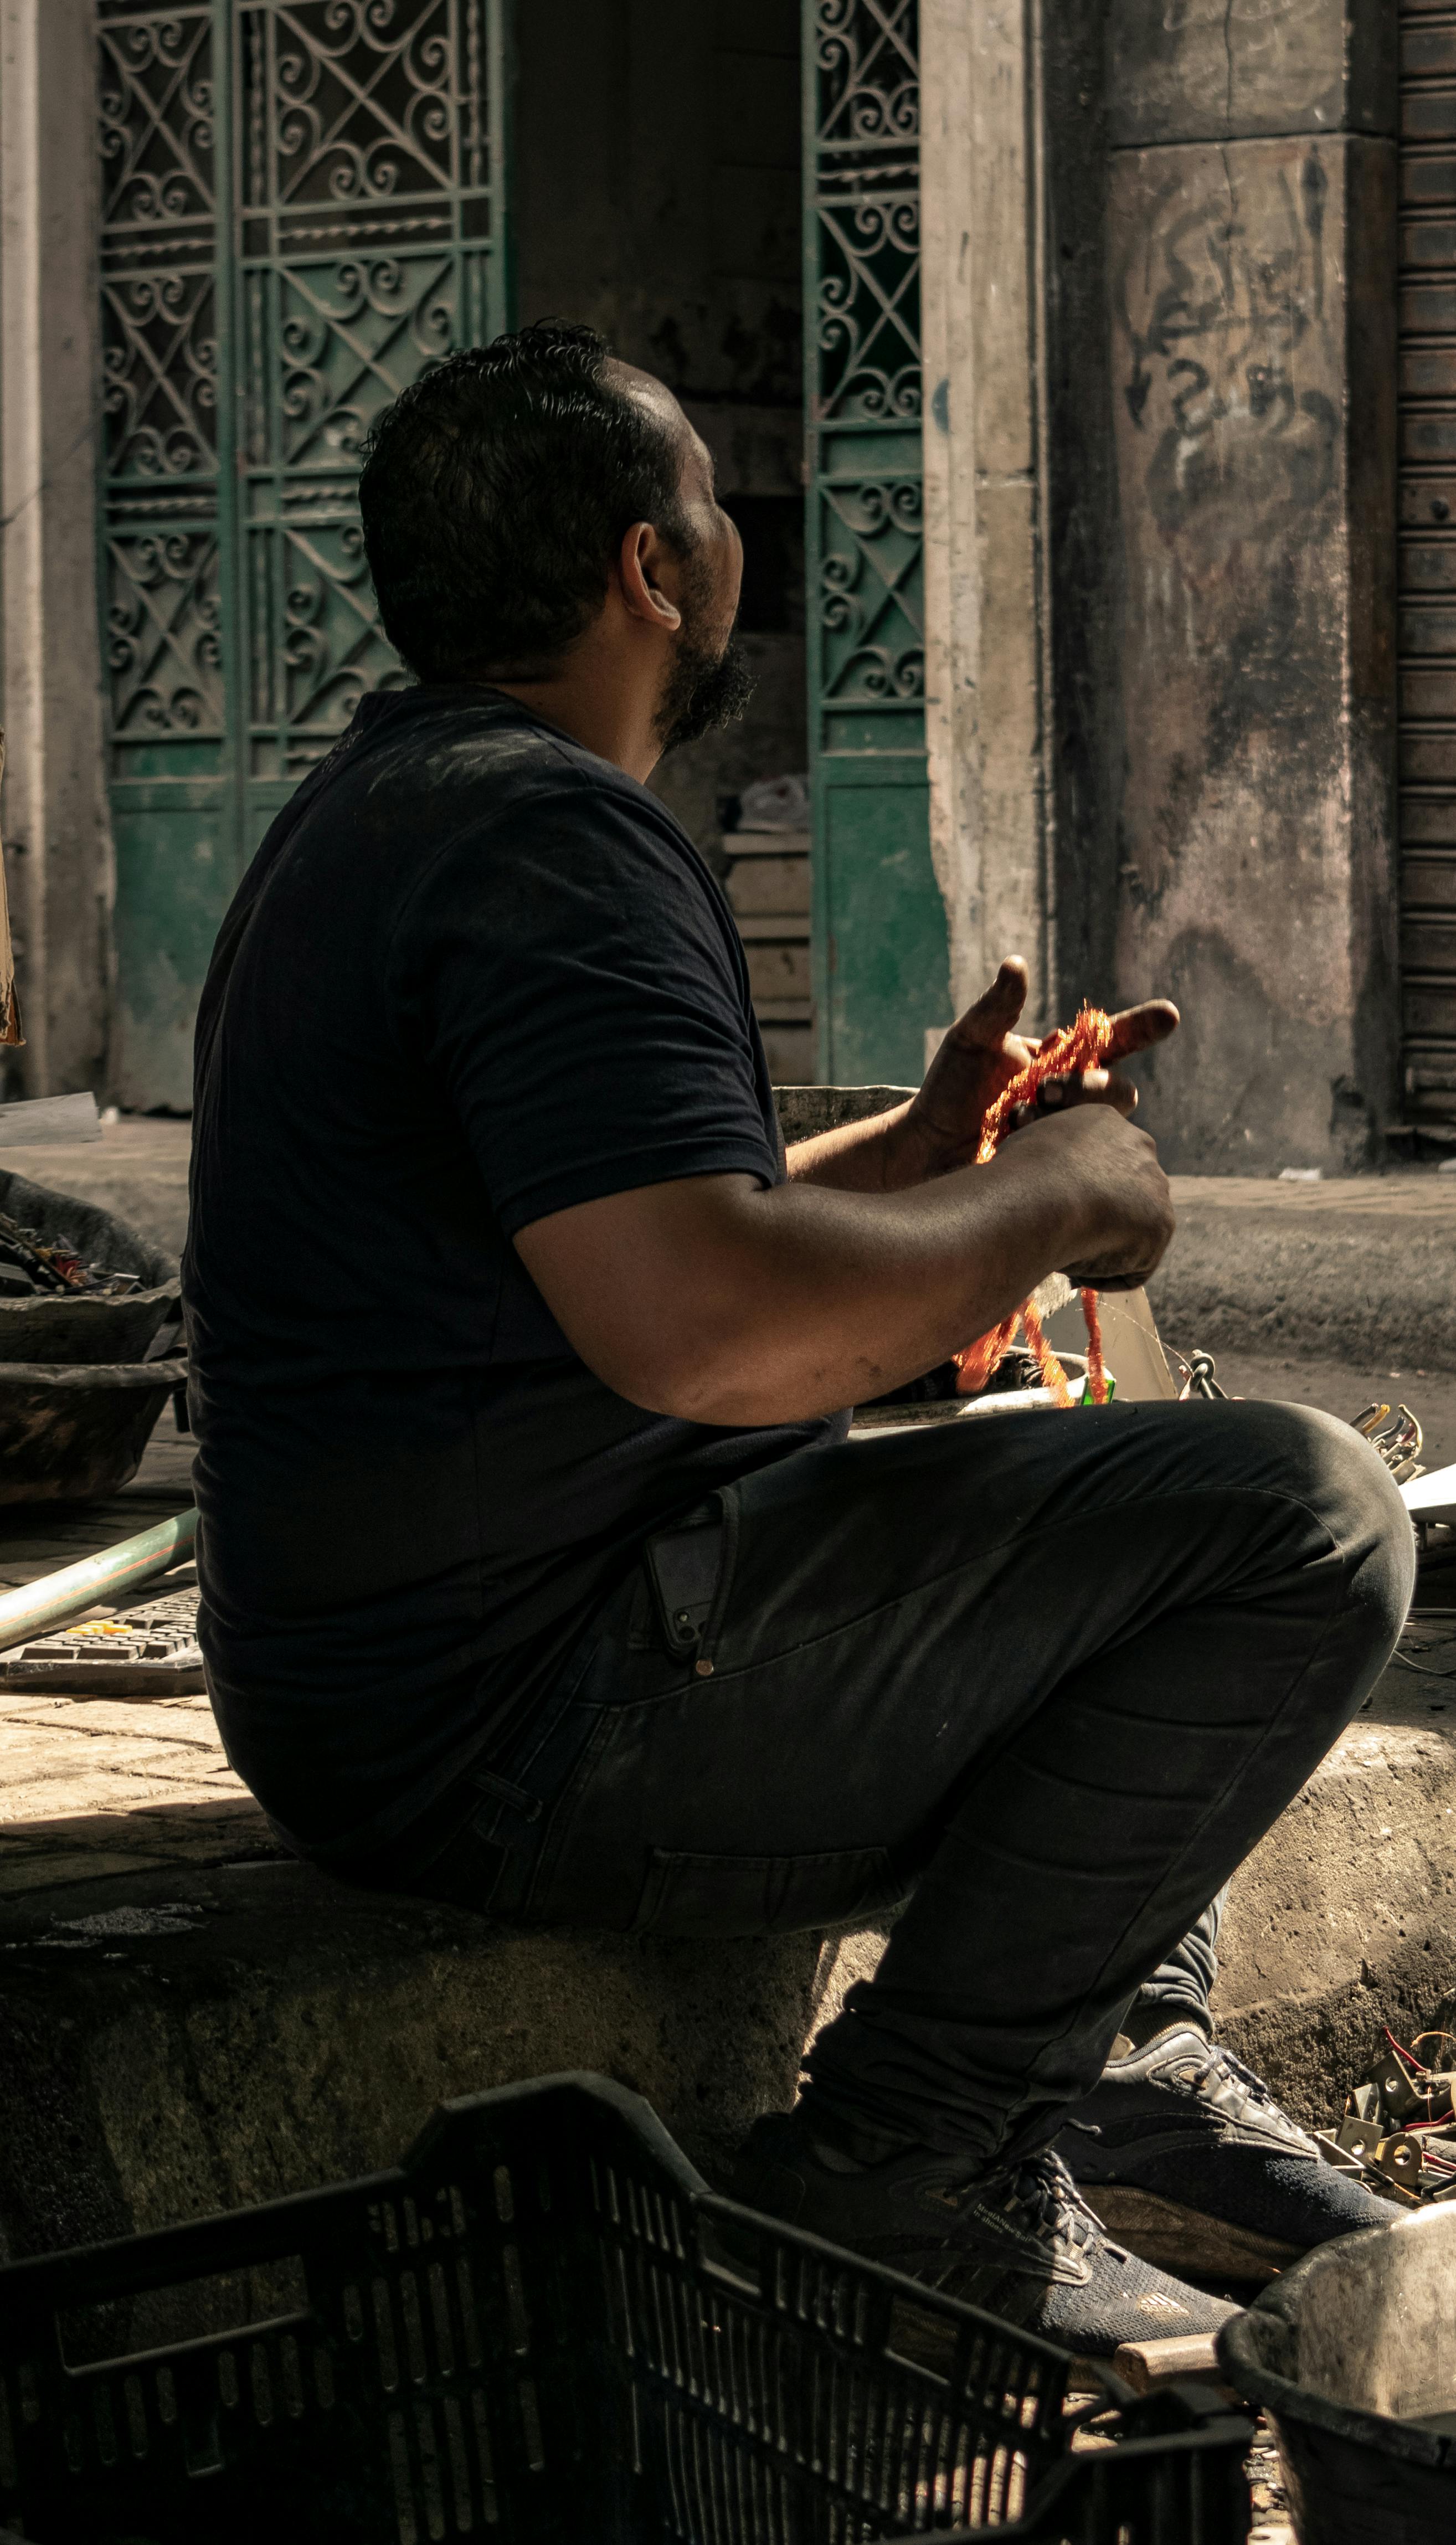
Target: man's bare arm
{"type": "Point", "coordinates": [719, 1301]}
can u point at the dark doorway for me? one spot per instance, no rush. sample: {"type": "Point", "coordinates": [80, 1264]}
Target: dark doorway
{"type": "Point", "coordinates": [657, 194]}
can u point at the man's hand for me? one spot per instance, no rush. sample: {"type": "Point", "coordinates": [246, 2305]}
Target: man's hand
{"type": "Point", "coordinates": [939, 1128]}
{"type": "Point", "coordinates": [1116, 1171]}
{"type": "Point", "coordinates": [976, 1063]}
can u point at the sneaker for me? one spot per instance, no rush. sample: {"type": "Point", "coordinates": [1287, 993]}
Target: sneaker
{"type": "Point", "coordinates": [1192, 2163]}
{"type": "Point", "coordinates": [1018, 2242]}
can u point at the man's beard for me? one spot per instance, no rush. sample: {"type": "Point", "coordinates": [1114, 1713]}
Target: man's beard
{"type": "Point", "coordinates": [705, 689]}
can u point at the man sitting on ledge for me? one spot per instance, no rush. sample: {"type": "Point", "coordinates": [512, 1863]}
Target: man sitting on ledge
{"type": "Point", "coordinates": [539, 1574]}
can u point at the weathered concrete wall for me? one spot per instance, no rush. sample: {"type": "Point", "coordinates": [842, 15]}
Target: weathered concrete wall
{"type": "Point", "coordinates": [1250, 231]}
{"type": "Point", "coordinates": [985, 624]}
{"type": "Point", "coordinates": [57, 836]}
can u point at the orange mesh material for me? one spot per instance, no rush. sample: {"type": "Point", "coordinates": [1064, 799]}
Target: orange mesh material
{"type": "Point", "coordinates": [1079, 1047]}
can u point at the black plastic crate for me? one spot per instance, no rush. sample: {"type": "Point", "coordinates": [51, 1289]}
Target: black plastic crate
{"type": "Point", "coordinates": [532, 2332]}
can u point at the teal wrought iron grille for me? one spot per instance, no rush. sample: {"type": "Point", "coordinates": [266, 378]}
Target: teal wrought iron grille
{"type": "Point", "coordinates": [880, 947]}
{"type": "Point", "coordinates": [304, 206]}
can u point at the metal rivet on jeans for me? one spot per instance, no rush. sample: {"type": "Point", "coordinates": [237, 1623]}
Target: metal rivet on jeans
{"type": "Point", "coordinates": [702, 1669]}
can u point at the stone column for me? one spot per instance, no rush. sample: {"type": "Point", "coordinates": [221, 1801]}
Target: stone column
{"type": "Point", "coordinates": [1251, 265]}
{"type": "Point", "coordinates": [984, 603]}
{"type": "Point", "coordinates": [57, 829]}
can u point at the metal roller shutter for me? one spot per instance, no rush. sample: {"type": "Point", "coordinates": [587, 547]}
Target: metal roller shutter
{"type": "Point", "coordinates": [1428, 561]}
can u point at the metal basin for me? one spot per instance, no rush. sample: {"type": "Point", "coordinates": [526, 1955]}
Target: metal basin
{"type": "Point", "coordinates": [78, 1398]}
{"type": "Point", "coordinates": [57, 1326]}
{"type": "Point", "coordinates": [1352, 2355]}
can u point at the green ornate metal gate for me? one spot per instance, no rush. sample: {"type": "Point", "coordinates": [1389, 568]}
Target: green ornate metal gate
{"type": "Point", "coordinates": [882, 969]}
{"type": "Point", "coordinates": [304, 205]}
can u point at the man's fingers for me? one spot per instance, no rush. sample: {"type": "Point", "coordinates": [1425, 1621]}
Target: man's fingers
{"type": "Point", "coordinates": [1088, 1087]}
{"type": "Point", "coordinates": [996, 1011]}
{"type": "Point", "coordinates": [1139, 1028]}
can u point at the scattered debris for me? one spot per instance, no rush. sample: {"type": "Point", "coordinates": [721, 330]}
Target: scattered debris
{"type": "Point", "coordinates": [1396, 1438]}
{"type": "Point", "coordinates": [1398, 2129]}
{"type": "Point", "coordinates": [1301, 1174]}
{"type": "Point", "coordinates": [1267, 2491]}
{"type": "Point", "coordinates": [29, 1262]}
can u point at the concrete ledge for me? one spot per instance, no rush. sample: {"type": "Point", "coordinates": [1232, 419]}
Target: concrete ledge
{"type": "Point", "coordinates": [181, 2039]}
{"type": "Point", "coordinates": [176, 2042]}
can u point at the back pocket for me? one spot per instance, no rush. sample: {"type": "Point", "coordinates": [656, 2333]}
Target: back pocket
{"type": "Point", "coordinates": [763, 1895]}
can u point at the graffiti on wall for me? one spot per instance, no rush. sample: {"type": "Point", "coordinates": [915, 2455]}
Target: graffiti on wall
{"type": "Point", "coordinates": [1222, 312]}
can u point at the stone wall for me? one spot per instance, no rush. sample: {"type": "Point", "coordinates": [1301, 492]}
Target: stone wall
{"type": "Point", "coordinates": [1251, 315]}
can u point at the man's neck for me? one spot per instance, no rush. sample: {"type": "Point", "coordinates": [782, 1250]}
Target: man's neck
{"type": "Point", "coordinates": [614, 718]}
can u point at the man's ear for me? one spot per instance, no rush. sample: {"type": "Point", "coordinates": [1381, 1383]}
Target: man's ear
{"type": "Point", "coordinates": [642, 552]}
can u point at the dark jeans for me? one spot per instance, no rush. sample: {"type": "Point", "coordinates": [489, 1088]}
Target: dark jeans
{"type": "Point", "coordinates": [1047, 1677]}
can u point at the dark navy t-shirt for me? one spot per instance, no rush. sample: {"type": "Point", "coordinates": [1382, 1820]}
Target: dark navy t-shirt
{"type": "Point", "coordinates": [473, 975]}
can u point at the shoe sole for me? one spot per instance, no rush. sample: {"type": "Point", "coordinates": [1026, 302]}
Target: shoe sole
{"type": "Point", "coordinates": [1183, 2241]}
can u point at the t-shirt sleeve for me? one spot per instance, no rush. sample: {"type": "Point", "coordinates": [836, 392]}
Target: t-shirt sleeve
{"type": "Point", "coordinates": [572, 979]}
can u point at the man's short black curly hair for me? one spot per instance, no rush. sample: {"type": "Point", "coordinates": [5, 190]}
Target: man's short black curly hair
{"type": "Point", "coordinates": [496, 493]}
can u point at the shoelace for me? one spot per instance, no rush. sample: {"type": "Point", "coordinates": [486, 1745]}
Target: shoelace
{"type": "Point", "coordinates": [1046, 2195]}
{"type": "Point", "coordinates": [1221, 2066]}
{"type": "Point", "coordinates": [1224, 2062]}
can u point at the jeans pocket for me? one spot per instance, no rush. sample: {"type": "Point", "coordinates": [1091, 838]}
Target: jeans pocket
{"type": "Point", "coordinates": [763, 1895]}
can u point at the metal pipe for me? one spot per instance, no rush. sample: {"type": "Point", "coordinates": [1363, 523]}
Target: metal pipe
{"type": "Point", "coordinates": [38, 1606]}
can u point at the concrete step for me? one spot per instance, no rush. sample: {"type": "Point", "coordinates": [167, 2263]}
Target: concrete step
{"type": "Point", "coordinates": [182, 2040]}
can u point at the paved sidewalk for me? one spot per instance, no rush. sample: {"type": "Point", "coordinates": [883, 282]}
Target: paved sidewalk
{"type": "Point", "coordinates": [92, 1786]}
{"type": "Point", "coordinates": [1361, 1270]}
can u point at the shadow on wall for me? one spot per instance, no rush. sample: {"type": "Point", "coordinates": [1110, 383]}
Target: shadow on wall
{"type": "Point", "coordinates": [1241, 1090]}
